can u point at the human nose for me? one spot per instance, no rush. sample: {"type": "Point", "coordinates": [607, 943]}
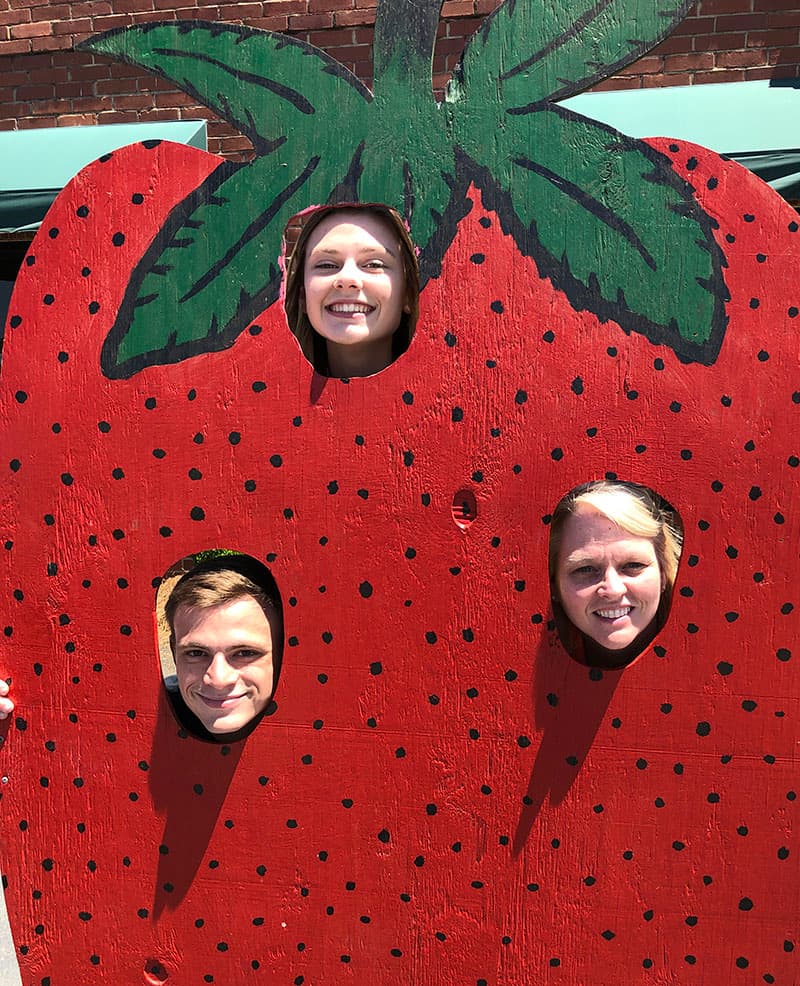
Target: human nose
{"type": "Point", "coordinates": [349, 275]}
{"type": "Point", "coordinates": [613, 584]}
{"type": "Point", "coordinates": [219, 672]}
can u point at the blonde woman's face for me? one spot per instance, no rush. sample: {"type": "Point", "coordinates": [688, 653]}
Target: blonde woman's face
{"type": "Point", "coordinates": [353, 279]}
{"type": "Point", "coordinates": [608, 580]}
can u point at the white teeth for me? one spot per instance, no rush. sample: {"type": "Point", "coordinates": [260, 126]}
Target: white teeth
{"type": "Point", "coordinates": [350, 308]}
{"type": "Point", "coordinates": [614, 614]}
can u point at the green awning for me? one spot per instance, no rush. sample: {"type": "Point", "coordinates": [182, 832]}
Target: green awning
{"type": "Point", "coordinates": [36, 164]}
{"type": "Point", "coordinates": [755, 123]}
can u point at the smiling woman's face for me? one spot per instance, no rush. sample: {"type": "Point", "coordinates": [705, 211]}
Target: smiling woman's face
{"type": "Point", "coordinates": [353, 281]}
{"type": "Point", "coordinates": [609, 581]}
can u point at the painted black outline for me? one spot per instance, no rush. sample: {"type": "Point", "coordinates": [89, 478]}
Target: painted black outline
{"type": "Point", "coordinates": [570, 87]}
{"type": "Point", "coordinates": [218, 337]}
{"type": "Point", "coordinates": [587, 296]}
{"type": "Point", "coordinates": [583, 296]}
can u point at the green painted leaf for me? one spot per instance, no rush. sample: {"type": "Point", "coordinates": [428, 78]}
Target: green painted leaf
{"type": "Point", "coordinates": [194, 292]}
{"type": "Point", "coordinates": [412, 169]}
{"type": "Point", "coordinates": [529, 51]}
{"type": "Point", "coordinates": [609, 221]}
{"type": "Point", "coordinates": [267, 85]}
{"type": "Point", "coordinates": [214, 265]}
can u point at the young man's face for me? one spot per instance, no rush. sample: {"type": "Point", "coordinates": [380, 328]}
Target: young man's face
{"type": "Point", "coordinates": [223, 659]}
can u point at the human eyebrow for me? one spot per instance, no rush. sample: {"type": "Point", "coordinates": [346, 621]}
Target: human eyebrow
{"type": "Point", "coordinates": [578, 561]}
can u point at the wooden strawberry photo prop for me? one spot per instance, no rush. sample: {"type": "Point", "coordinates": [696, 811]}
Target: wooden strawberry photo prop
{"type": "Point", "coordinates": [439, 794]}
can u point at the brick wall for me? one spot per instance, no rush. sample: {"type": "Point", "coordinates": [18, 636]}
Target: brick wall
{"type": "Point", "coordinates": [44, 82]}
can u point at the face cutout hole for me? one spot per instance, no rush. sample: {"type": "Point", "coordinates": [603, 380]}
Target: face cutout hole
{"type": "Point", "coordinates": [613, 559]}
{"type": "Point", "coordinates": [351, 287]}
{"type": "Point", "coordinates": [155, 973]}
{"type": "Point", "coordinates": [219, 619]}
{"type": "Point", "coordinates": [465, 508]}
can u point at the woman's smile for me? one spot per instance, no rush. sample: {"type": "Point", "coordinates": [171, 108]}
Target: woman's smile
{"type": "Point", "coordinates": [609, 581]}
{"type": "Point", "coordinates": [354, 289]}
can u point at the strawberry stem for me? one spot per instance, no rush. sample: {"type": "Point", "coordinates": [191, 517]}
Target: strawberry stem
{"type": "Point", "coordinates": [405, 35]}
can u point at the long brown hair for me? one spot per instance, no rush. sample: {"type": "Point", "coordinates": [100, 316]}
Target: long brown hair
{"type": "Point", "coordinates": [312, 344]}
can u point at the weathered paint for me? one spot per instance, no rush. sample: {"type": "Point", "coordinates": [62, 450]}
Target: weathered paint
{"type": "Point", "coordinates": [441, 796]}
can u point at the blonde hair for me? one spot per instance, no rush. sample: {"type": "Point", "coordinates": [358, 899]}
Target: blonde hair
{"type": "Point", "coordinates": [312, 344]}
{"type": "Point", "coordinates": [637, 510]}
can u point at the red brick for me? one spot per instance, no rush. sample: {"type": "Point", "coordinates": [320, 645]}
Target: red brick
{"type": "Point", "coordinates": [12, 79]}
{"type": "Point", "coordinates": [309, 22]}
{"type": "Point", "coordinates": [770, 5]}
{"type": "Point", "coordinates": [773, 39]}
{"type": "Point", "coordinates": [16, 109]}
{"type": "Point", "coordinates": [458, 8]}
{"type": "Point", "coordinates": [90, 8]}
{"type": "Point", "coordinates": [464, 27]}
{"type": "Point", "coordinates": [697, 61]}
{"type": "Point", "coordinates": [76, 120]}
{"type": "Point", "coordinates": [172, 100]}
{"type": "Point", "coordinates": [779, 20]}
{"type": "Point", "coordinates": [90, 73]}
{"type": "Point", "coordinates": [131, 102]}
{"type": "Point", "coordinates": [154, 16]}
{"type": "Point", "coordinates": [114, 116]}
{"type": "Point", "coordinates": [673, 45]}
{"type": "Point", "coordinates": [284, 7]}
{"type": "Point", "coordinates": [740, 59]}
{"type": "Point", "coordinates": [111, 22]}
{"type": "Point", "coordinates": [34, 122]}
{"type": "Point", "coordinates": [616, 83]}
{"type": "Point", "coordinates": [154, 115]}
{"type": "Point", "coordinates": [705, 7]}
{"type": "Point", "coordinates": [34, 62]}
{"type": "Point", "coordinates": [132, 6]}
{"type": "Point", "coordinates": [645, 66]}
{"type": "Point", "coordinates": [72, 27]}
{"type": "Point", "coordinates": [325, 6]}
{"type": "Point", "coordinates": [70, 90]}
{"type": "Point", "coordinates": [278, 23]}
{"type": "Point", "coordinates": [15, 17]}
{"type": "Point", "coordinates": [59, 12]}
{"type": "Point", "coordinates": [64, 43]}
{"type": "Point", "coordinates": [356, 18]}
{"type": "Point", "coordinates": [719, 42]}
{"type": "Point", "coordinates": [658, 81]}
{"type": "Point", "coordinates": [448, 46]}
{"type": "Point", "coordinates": [238, 11]}
{"type": "Point", "coordinates": [33, 92]}
{"type": "Point", "coordinates": [729, 75]}
{"type": "Point", "coordinates": [694, 25]}
{"type": "Point", "coordinates": [739, 22]}
{"type": "Point", "coordinates": [784, 56]}
{"type": "Point", "coordinates": [39, 30]}
{"type": "Point", "coordinates": [778, 72]}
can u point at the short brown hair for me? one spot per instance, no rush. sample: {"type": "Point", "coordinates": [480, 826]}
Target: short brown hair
{"type": "Point", "coordinates": [312, 344]}
{"type": "Point", "coordinates": [222, 580]}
